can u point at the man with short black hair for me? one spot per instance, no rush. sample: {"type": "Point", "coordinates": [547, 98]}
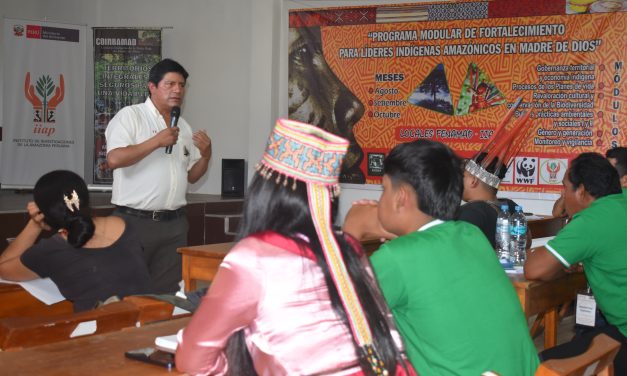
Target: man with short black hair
{"type": "Point", "coordinates": [452, 302]}
{"type": "Point", "coordinates": [595, 237]}
{"type": "Point", "coordinates": [482, 206]}
{"type": "Point", "coordinates": [149, 184]}
{"type": "Point", "coordinates": [618, 158]}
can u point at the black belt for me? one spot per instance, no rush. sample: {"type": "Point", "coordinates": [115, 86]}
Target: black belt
{"type": "Point", "coordinates": [155, 215]}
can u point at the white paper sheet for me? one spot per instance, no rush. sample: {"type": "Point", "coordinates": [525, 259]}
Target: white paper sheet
{"type": "Point", "coordinates": [84, 329]}
{"type": "Point", "coordinates": [539, 242]}
{"type": "Point", "coordinates": [167, 343]}
{"type": "Point", "coordinates": [530, 217]}
{"type": "Point", "coordinates": [43, 289]}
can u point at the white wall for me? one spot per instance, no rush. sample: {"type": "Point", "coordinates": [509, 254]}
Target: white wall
{"type": "Point", "coordinates": [235, 52]}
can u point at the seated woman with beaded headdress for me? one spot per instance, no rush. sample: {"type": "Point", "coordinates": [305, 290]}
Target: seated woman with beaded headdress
{"type": "Point", "coordinates": [90, 259]}
{"type": "Point", "coordinates": [293, 296]}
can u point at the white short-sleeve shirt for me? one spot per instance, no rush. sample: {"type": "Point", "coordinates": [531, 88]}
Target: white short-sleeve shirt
{"type": "Point", "coordinates": [159, 180]}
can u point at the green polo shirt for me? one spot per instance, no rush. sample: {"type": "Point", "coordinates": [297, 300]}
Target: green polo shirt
{"type": "Point", "coordinates": [597, 237]}
{"type": "Point", "coordinates": [453, 304]}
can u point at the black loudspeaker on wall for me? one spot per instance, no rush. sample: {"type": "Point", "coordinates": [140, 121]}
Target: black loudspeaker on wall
{"type": "Point", "coordinates": [233, 177]}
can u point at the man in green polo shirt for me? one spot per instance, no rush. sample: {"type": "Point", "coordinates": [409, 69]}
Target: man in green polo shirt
{"type": "Point", "coordinates": [597, 238]}
{"type": "Point", "coordinates": [618, 158]}
{"type": "Point", "coordinates": [452, 302]}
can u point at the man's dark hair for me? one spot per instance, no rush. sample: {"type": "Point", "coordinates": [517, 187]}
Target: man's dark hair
{"type": "Point", "coordinates": [596, 174]}
{"type": "Point", "coordinates": [620, 154]}
{"type": "Point", "coordinates": [165, 66]}
{"type": "Point", "coordinates": [491, 168]}
{"type": "Point", "coordinates": [433, 170]}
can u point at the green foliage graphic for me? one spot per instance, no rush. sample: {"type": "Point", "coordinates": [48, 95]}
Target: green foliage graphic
{"type": "Point", "coordinates": [45, 86]}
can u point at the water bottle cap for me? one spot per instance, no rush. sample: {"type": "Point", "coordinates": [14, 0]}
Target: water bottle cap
{"type": "Point", "coordinates": [504, 207]}
{"type": "Point", "coordinates": [518, 208]}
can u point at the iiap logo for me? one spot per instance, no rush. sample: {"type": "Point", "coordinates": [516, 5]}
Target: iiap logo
{"type": "Point", "coordinates": [552, 170]}
{"type": "Point", "coordinates": [45, 96]}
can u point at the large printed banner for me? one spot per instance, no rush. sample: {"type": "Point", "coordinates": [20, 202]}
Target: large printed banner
{"type": "Point", "coordinates": [380, 76]}
{"type": "Point", "coordinates": [43, 100]}
{"type": "Point", "coordinates": [122, 59]}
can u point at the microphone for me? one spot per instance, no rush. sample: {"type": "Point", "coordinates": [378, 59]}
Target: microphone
{"type": "Point", "coordinates": [174, 119]}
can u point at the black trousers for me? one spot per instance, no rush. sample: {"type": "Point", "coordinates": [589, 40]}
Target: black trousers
{"type": "Point", "coordinates": [580, 343]}
{"type": "Point", "coordinates": [160, 240]}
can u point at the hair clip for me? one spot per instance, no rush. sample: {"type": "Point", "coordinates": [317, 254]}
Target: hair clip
{"type": "Point", "coordinates": [72, 201]}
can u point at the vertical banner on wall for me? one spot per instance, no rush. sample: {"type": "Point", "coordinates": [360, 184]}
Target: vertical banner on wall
{"type": "Point", "coordinates": [383, 75]}
{"type": "Point", "coordinates": [43, 99]}
{"type": "Point", "coordinates": [122, 59]}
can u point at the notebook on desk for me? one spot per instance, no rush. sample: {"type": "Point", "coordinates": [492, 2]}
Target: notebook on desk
{"type": "Point", "coordinates": [167, 343]}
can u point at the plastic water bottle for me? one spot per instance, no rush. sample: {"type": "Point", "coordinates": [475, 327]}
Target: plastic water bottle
{"type": "Point", "coordinates": [518, 236]}
{"type": "Point", "coordinates": [502, 237]}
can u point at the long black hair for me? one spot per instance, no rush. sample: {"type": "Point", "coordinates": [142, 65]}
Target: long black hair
{"type": "Point", "coordinates": [274, 207]}
{"type": "Point", "coordinates": [49, 193]}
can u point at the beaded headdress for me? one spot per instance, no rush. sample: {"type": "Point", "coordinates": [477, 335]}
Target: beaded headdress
{"type": "Point", "coordinates": [303, 152]}
{"type": "Point", "coordinates": [500, 149]}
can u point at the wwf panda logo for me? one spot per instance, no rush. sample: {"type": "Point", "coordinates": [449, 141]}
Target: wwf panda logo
{"type": "Point", "coordinates": [526, 167]}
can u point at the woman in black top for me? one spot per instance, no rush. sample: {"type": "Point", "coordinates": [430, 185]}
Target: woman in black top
{"type": "Point", "coordinates": [89, 258]}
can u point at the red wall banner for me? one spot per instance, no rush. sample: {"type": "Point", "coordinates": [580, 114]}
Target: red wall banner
{"type": "Point", "coordinates": [380, 76]}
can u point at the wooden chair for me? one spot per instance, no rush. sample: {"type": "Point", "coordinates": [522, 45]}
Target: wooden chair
{"type": "Point", "coordinates": [21, 332]}
{"type": "Point", "coordinates": [597, 360]}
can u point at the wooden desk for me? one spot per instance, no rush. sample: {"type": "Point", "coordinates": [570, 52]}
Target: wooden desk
{"type": "Point", "coordinates": [95, 355]}
{"type": "Point", "coordinates": [201, 262]}
{"type": "Point", "coordinates": [15, 301]}
{"type": "Point", "coordinates": [545, 298]}
{"type": "Point", "coordinates": [536, 297]}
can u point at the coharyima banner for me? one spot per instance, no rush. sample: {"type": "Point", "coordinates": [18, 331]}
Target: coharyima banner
{"type": "Point", "coordinates": [43, 100]}
{"type": "Point", "coordinates": [122, 59]}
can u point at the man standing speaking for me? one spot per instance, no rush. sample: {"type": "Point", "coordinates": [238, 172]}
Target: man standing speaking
{"type": "Point", "coordinates": [153, 155]}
